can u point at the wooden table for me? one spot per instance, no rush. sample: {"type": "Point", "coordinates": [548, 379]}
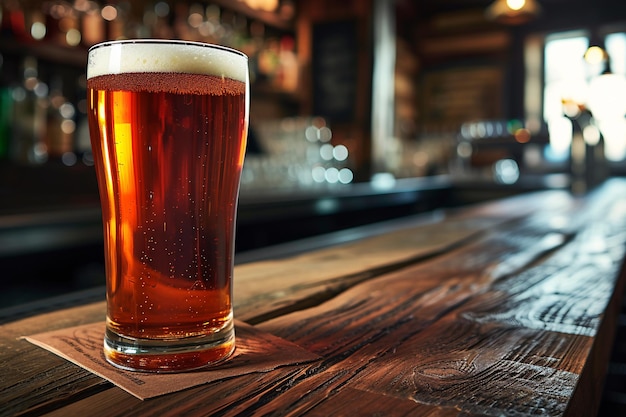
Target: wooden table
{"type": "Point", "coordinates": [505, 308]}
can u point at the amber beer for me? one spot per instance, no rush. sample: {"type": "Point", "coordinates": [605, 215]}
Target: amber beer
{"type": "Point", "coordinates": [168, 123]}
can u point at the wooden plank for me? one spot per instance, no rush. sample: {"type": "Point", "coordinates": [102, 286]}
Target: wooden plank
{"type": "Point", "coordinates": [252, 394]}
{"type": "Point", "coordinates": [483, 339]}
{"type": "Point", "coordinates": [450, 314]}
{"type": "Point", "coordinates": [374, 404]}
{"type": "Point", "coordinates": [34, 380]}
{"type": "Point", "coordinates": [224, 397]}
{"type": "Point", "coordinates": [267, 289]}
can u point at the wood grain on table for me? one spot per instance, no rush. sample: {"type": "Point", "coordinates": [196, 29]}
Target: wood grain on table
{"type": "Point", "coordinates": [505, 308]}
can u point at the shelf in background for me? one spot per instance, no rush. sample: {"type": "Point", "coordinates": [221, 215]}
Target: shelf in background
{"type": "Point", "coordinates": [45, 50]}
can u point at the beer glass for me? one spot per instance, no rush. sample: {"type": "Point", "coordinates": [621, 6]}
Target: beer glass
{"type": "Point", "coordinates": [168, 122]}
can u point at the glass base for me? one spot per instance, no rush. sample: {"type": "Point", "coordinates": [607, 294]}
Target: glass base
{"type": "Point", "coordinates": [150, 355]}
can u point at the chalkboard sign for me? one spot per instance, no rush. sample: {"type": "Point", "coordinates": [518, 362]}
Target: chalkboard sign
{"type": "Point", "coordinates": [335, 49]}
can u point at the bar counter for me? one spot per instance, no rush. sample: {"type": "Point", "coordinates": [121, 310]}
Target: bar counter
{"type": "Point", "coordinates": [500, 308]}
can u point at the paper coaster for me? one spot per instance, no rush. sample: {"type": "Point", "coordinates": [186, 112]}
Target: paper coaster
{"type": "Point", "coordinates": [256, 351]}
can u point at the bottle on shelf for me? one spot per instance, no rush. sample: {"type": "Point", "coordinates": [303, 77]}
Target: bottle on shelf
{"type": "Point", "coordinates": [60, 125]}
{"type": "Point", "coordinates": [13, 21]}
{"type": "Point", "coordinates": [287, 72]}
{"type": "Point", "coordinates": [82, 143]}
{"type": "Point", "coordinates": [92, 25]}
{"type": "Point", "coordinates": [6, 110]}
{"type": "Point", "coordinates": [29, 117]}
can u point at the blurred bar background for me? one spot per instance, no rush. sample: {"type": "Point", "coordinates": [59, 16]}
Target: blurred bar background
{"type": "Point", "coordinates": [361, 111]}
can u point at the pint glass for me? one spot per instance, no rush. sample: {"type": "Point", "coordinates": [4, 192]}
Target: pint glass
{"type": "Point", "coordinates": [168, 122]}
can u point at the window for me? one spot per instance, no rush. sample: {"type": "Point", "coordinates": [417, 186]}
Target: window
{"type": "Point", "coordinates": [571, 83]}
{"type": "Point", "coordinates": [565, 82]}
{"type": "Point", "coordinates": [615, 44]}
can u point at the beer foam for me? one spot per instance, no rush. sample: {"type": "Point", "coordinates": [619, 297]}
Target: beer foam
{"type": "Point", "coordinates": [153, 55]}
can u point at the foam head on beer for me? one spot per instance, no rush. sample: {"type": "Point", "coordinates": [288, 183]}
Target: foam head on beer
{"type": "Point", "coordinates": [160, 56]}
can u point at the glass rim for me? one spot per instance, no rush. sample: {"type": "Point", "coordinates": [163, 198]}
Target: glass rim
{"type": "Point", "coordinates": [166, 42]}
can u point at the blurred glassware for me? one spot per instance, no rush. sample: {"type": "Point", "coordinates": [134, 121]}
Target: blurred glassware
{"type": "Point", "coordinates": [297, 152]}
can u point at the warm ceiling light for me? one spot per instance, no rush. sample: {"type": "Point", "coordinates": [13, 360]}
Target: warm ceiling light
{"type": "Point", "coordinates": [513, 12]}
{"type": "Point", "coordinates": [516, 4]}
